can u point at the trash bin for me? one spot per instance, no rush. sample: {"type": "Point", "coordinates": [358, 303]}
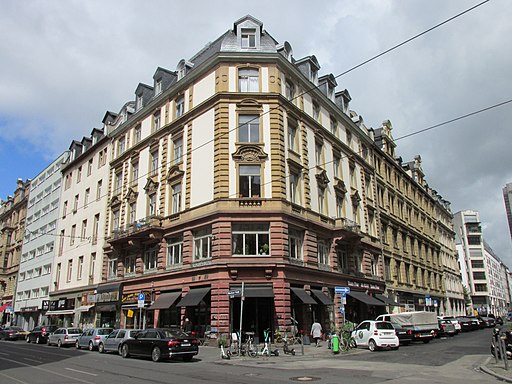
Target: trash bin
{"type": "Point", "coordinates": [335, 343]}
{"type": "Point", "coordinates": [305, 340]}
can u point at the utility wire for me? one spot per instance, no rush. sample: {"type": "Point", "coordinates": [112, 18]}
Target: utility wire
{"type": "Point", "coordinates": [310, 90]}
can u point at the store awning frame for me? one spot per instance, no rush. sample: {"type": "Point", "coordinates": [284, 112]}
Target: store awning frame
{"type": "Point", "coordinates": [254, 290]}
{"type": "Point", "coordinates": [165, 300]}
{"type": "Point", "coordinates": [193, 297]}
{"type": "Point", "coordinates": [303, 295]}
{"type": "Point", "coordinates": [3, 307]}
{"type": "Point", "coordinates": [84, 308]}
{"type": "Point", "coordinates": [111, 287]}
{"type": "Point", "coordinates": [322, 297]}
{"type": "Point", "coordinates": [366, 299]}
{"type": "Point", "coordinates": [386, 300]}
{"type": "Point", "coordinates": [60, 312]}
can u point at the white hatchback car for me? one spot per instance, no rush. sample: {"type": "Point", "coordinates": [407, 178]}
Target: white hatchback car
{"type": "Point", "coordinates": [375, 335]}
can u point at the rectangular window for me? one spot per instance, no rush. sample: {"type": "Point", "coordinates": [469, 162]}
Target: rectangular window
{"type": "Point", "coordinates": [73, 234]}
{"type": "Point", "coordinates": [295, 241]}
{"type": "Point", "coordinates": [75, 204]}
{"type": "Point", "coordinates": [294, 187]}
{"type": "Point", "coordinates": [115, 219]}
{"type": "Point", "coordinates": [118, 182]}
{"type": "Point", "coordinates": [91, 267]}
{"type": "Point", "coordinates": [132, 214]}
{"type": "Point", "coordinates": [176, 198]}
{"type": "Point", "coordinates": [98, 190]}
{"type": "Point", "coordinates": [89, 167]}
{"type": "Point", "coordinates": [202, 244]}
{"type": "Point", "coordinates": [339, 206]}
{"type": "Point", "coordinates": [121, 145]}
{"type": "Point", "coordinates": [289, 90]}
{"type": "Point", "coordinates": [248, 38]}
{"type": "Point", "coordinates": [292, 137]}
{"type": "Point", "coordinates": [180, 106]}
{"type": "Point", "coordinates": [334, 126]}
{"type": "Point", "coordinates": [112, 267]}
{"type": "Point", "coordinates": [375, 265]}
{"type": "Point", "coordinates": [137, 134]}
{"type": "Point", "coordinates": [79, 174]}
{"type": "Point", "coordinates": [158, 87]}
{"type": "Point", "coordinates": [342, 260]}
{"type": "Point", "coordinates": [249, 181]}
{"type": "Point", "coordinates": [319, 154]}
{"type": "Point", "coordinates": [174, 251]}
{"type": "Point", "coordinates": [130, 264]}
{"type": "Point", "coordinates": [153, 169]}
{"type": "Point", "coordinates": [84, 230]}
{"type": "Point", "coordinates": [139, 102]}
{"type": "Point", "coordinates": [321, 200]}
{"type": "Point", "coordinates": [156, 121]}
{"type": "Point", "coordinates": [95, 228]}
{"type": "Point", "coordinates": [323, 253]}
{"type": "Point", "coordinates": [135, 172]}
{"type": "Point", "coordinates": [316, 111]}
{"type": "Point", "coordinates": [80, 268]}
{"type": "Point", "coordinates": [248, 80]}
{"type": "Point", "coordinates": [69, 271]}
{"type": "Point", "coordinates": [86, 197]}
{"type": "Point", "coordinates": [152, 204]}
{"type": "Point", "coordinates": [336, 166]}
{"type": "Point", "coordinates": [64, 209]}
{"type": "Point", "coordinates": [251, 239]}
{"type": "Point", "coordinates": [150, 258]}
{"type": "Point", "coordinates": [249, 129]}
{"type": "Point", "coordinates": [177, 145]}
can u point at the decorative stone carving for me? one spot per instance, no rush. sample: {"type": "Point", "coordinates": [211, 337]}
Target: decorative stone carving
{"type": "Point", "coordinates": [249, 153]}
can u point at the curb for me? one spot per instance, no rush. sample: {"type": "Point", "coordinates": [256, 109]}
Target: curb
{"type": "Point", "coordinates": [492, 373]}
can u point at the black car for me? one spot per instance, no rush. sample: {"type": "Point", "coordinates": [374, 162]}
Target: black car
{"type": "Point", "coordinates": [467, 324]}
{"type": "Point", "coordinates": [12, 333]}
{"type": "Point", "coordinates": [161, 343]}
{"type": "Point", "coordinates": [404, 335]}
{"type": "Point", "coordinates": [39, 334]}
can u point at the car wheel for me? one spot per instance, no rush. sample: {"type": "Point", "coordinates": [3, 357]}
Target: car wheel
{"type": "Point", "coordinates": [59, 343]}
{"type": "Point", "coordinates": [124, 351]}
{"type": "Point", "coordinates": [156, 354]}
{"type": "Point", "coordinates": [187, 358]}
{"type": "Point", "coordinates": [91, 346]}
{"type": "Point", "coordinates": [77, 344]}
{"type": "Point", "coordinates": [372, 346]}
{"type": "Point", "coordinates": [38, 340]}
{"type": "Point", "coordinates": [101, 348]}
{"type": "Point", "coordinates": [48, 341]}
{"type": "Point", "coordinates": [119, 350]}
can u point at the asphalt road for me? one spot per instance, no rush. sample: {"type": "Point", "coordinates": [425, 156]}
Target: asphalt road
{"type": "Point", "coordinates": [451, 360]}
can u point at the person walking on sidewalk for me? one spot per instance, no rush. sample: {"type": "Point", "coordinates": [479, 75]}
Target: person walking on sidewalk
{"type": "Point", "coordinates": [316, 332]}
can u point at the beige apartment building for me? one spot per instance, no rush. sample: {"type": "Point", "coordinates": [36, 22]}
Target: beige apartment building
{"type": "Point", "coordinates": [13, 212]}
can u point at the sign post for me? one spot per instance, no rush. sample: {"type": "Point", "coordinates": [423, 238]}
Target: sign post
{"type": "Point", "coordinates": [140, 303]}
{"type": "Point", "coordinates": [343, 292]}
{"type": "Point", "coordinates": [242, 298]}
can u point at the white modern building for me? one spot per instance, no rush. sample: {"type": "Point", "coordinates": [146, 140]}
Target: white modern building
{"type": "Point", "coordinates": [79, 255]}
{"type": "Point", "coordinates": [34, 276]}
{"type": "Point", "coordinates": [479, 266]}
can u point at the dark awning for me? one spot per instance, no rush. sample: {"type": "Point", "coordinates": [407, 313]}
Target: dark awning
{"type": "Point", "coordinates": [386, 300]}
{"type": "Point", "coordinates": [364, 298]}
{"type": "Point", "coordinates": [110, 307]}
{"type": "Point", "coordinates": [303, 296]}
{"type": "Point", "coordinates": [108, 288]}
{"type": "Point", "coordinates": [322, 297]}
{"type": "Point", "coordinates": [254, 290]}
{"type": "Point", "coordinates": [193, 297]}
{"type": "Point", "coordinates": [165, 300]}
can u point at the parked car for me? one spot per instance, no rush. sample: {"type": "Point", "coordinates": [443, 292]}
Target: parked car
{"type": "Point", "coordinates": [454, 321]}
{"type": "Point", "coordinates": [112, 342]}
{"type": "Point", "coordinates": [39, 334]}
{"type": "Point", "coordinates": [467, 324]}
{"type": "Point", "coordinates": [161, 343]}
{"type": "Point", "coordinates": [375, 335]}
{"type": "Point", "coordinates": [404, 335]}
{"type": "Point", "coordinates": [480, 322]}
{"type": "Point", "coordinates": [499, 320]}
{"type": "Point", "coordinates": [64, 336]}
{"type": "Point", "coordinates": [446, 328]}
{"type": "Point", "coordinates": [91, 338]}
{"type": "Point", "coordinates": [488, 321]}
{"type": "Point", "coordinates": [13, 333]}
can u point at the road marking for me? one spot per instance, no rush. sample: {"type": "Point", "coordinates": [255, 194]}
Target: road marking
{"type": "Point", "coordinates": [85, 373]}
{"type": "Point", "coordinates": [13, 378]}
{"type": "Point", "coordinates": [46, 370]}
{"type": "Point", "coordinates": [35, 361]}
{"type": "Point", "coordinates": [5, 354]}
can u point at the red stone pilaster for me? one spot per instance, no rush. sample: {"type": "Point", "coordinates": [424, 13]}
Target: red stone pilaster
{"type": "Point", "coordinates": [282, 304]}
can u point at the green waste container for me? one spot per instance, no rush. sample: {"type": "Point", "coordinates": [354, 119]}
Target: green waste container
{"type": "Point", "coordinates": [335, 343]}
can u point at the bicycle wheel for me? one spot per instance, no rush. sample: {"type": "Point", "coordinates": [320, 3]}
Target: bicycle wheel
{"type": "Point", "coordinates": [352, 343]}
{"type": "Point", "coordinates": [344, 345]}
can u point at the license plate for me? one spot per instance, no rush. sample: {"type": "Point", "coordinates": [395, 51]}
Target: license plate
{"type": "Point", "coordinates": [185, 344]}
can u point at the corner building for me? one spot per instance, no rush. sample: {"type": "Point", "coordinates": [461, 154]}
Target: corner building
{"type": "Point", "coordinates": [242, 167]}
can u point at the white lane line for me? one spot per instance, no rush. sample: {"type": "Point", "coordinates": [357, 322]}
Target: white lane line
{"type": "Point", "coordinates": [5, 354]}
{"type": "Point", "coordinates": [85, 373]}
{"type": "Point", "coordinates": [47, 370]}
{"type": "Point", "coordinates": [13, 378]}
{"type": "Point", "coordinates": [35, 361]}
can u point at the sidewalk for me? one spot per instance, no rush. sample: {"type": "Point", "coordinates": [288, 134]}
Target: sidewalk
{"type": "Point", "coordinates": [498, 369]}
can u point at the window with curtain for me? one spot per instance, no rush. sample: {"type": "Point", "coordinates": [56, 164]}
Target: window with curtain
{"type": "Point", "coordinates": [248, 80]}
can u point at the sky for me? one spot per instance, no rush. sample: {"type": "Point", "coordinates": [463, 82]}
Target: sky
{"type": "Point", "coordinates": [63, 64]}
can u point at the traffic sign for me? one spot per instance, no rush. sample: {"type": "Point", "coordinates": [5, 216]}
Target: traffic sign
{"type": "Point", "coordinates": [141, 297]}
{"type": "Point", "coordinates": [342, 289]}
{"type": "Point", "coordinates": [234, 292]}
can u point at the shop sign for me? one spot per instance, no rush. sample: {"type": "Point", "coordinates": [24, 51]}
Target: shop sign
{"type": "Point", "coordinates": [132, 298]}
{"type": "Point", "coordinates": [88, 298]}
{"type": "Point", "coordinates": [45, 305]}
{"type": "Point", "coordinates": [29, 309]}
{"type": "Point", "coordinates": [364, 285]}
{"type": "Point", "coordinates": [107, 297]}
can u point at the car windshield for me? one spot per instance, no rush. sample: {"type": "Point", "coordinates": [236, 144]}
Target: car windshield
{"type": "Point", "coordinates": [171, 333]}
{"type": "Point", "coordinates": [74, 331]}
{"type": "Point", "coordinates": [105, 331]}
{"type": "Point", "coordinates": [383, 325]}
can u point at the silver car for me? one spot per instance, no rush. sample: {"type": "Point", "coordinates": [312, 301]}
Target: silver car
{"type": "Point", "coordinates": [64, 336]}
{"type": "Point", "coordinates": [92, 337]}
{"type": "Point", "coordinates": [112, 342]}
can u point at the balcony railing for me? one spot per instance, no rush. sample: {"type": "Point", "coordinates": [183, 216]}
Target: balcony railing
{"type": "Point", "coordinates": [138, 226]}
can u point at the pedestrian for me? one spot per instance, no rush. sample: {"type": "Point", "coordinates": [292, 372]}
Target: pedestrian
{"type": "Point", "coordinates": [187, 326]}
{"type": "Point", "coordinates": [316, 332]}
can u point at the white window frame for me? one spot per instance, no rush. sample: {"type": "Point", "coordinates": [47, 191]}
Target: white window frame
{"type": "Point", "coordinates": [295, 244]}
{"type": "Point", "coordinates": [202, 244]}
{"type": "Point", "coordinates": [248, 80]}
{"type": "Point", "coordinates": [175, 251]}
{"type": "Point", "coordinates": [251, 235]}
{"type": "Point", "coordinates": [248, 128]}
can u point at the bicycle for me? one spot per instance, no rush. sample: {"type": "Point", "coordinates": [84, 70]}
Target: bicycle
{"type": "Point", "coordinates": [347, 342]}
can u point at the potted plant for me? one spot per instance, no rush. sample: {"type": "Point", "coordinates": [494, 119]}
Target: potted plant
{"type": "Point", "coordinates": [264, 249]}
{"type": "Point", "coordinates": [222, 341]}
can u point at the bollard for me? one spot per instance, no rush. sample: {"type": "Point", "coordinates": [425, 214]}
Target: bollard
{"type": "Point", "coordinates": [335, 343]}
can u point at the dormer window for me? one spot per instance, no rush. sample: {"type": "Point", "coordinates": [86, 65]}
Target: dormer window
{"type": "Point", "coordinates": [248, 38]}
{"type": "Point", "coordinates": [158, 87]}
{"type": "Point", "coordinates": [139, 102]}
{"type": "Point", "coordinates": [314, 77]}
